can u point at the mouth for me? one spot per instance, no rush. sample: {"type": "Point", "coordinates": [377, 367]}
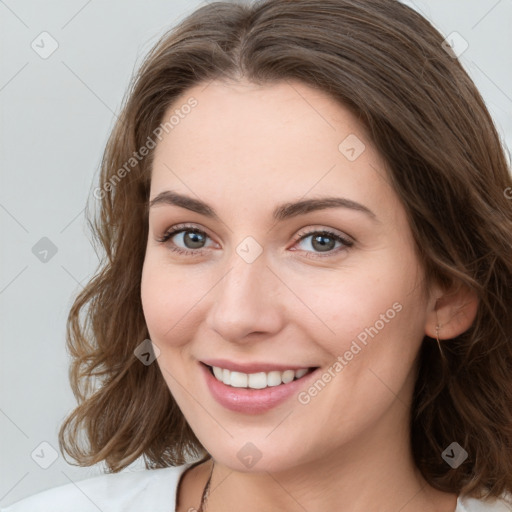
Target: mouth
{"type": "Point", "coordinates": [258, 380]}
{"type": "Point", "coordinates": [258, 392]}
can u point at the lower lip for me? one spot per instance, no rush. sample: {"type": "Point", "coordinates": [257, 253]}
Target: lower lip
{"type": "Point", "coordinates": [253, 401]}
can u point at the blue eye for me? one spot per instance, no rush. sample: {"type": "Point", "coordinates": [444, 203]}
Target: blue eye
{"type": "Point", "coordinates": [192, 236]}
{"type": "Point", "coordinates": [323, 243]}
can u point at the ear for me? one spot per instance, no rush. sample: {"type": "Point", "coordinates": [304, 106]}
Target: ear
{"type": "Point", "coordinates": [452, 310]}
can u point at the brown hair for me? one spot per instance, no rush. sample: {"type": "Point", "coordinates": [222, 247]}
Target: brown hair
{"type": "Point", "coordinates": [424, 115]}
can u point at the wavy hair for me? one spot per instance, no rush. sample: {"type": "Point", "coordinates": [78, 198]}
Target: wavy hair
{"type": "Point", "coordinates": [446, 162]}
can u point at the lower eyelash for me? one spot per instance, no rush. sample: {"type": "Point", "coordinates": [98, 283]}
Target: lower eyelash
{"type": "Point", "coordinates": [179, 250]}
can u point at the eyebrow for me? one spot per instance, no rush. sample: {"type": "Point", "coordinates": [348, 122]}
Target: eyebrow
{"type": "Point", "coordinates": [281, 212]}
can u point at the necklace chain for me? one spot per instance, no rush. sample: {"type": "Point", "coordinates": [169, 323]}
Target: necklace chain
{"type": "Point", "coordinates": [206, 492]}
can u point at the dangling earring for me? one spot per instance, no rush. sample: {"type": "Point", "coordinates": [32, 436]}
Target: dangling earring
{"type": "Point", "coordinates": [439, 343]}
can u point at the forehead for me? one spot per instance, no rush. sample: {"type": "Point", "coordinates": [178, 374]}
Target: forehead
{"type": "Point", "coordinates": [241, 116]}
{"type": "Point", "coordinates": [255, 142]}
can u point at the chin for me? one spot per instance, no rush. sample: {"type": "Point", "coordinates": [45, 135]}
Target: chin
{"type": "Point", "coordinates": [248, 458]}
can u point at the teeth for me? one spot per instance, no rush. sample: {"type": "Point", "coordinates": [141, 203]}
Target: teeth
{"type": "Point", "coordinates": [301, 373]}
{"type": "Point", "coordinates": [258, 380]}
{"type": "Point", "coordinates": [217, 372]}
{"type": "Point", "coordinates": [237, 379]}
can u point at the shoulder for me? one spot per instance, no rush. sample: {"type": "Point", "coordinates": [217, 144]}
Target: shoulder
{"type": "Point", "coordinates": [468, 504]}
{"type": "Point", "coordinates": [150, 489]}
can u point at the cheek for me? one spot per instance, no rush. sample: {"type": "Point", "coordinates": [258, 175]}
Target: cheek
{"type": "Point", "coordinates": [359, 302]}
{"type": "Point", "coordinates": [168, 298]}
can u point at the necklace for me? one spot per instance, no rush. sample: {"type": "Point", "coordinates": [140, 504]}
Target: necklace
{"type": "Point", "coordinates": [206, 492]}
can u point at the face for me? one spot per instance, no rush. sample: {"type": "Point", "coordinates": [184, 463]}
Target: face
{"type": "Point", "coordinates": [250, 282]}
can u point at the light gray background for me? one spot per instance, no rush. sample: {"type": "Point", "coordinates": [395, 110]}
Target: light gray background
{"type": "Point", "coordinates": [56, 114]}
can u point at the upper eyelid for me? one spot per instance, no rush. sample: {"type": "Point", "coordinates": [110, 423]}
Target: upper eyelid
{"type": "Point", "coordinates": [181, 227]}
{"type": "Point", "coordinates": [303, 231]}
{"type": "Point", "coordinates": [308, 231]}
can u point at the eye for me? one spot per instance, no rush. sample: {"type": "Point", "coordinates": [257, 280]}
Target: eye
{"type": "Point", "coordinates": [324, 241]}
{"type": "Point", "coordinates": [192, 238]}
{"type": "Point", "coordinates": [191, 241]}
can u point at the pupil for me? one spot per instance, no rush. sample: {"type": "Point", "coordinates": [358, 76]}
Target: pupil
{"type": "Point", "coordinates": [323, 246]}
{"type": "Point", "coordinates": [195, 239]}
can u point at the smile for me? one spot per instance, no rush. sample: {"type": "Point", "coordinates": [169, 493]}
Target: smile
{"type": "Point", "coordinates": [259, 380]}
{"type": "Point", "coordinates": [255, 393]}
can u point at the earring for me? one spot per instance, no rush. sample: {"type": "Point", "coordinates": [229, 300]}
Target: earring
{"type": "Point", "coordinates": [439, 343]}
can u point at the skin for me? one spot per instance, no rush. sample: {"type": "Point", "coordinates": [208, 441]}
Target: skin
{"type": "Point", "coordinates": [244, 149]}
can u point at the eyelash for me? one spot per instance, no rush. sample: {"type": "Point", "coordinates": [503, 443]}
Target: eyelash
{"type": "Point", "coordinates": [301, 236]}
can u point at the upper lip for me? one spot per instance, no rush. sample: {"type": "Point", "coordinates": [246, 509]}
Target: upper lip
{"type": "Point", "coordinates": [254, 367]}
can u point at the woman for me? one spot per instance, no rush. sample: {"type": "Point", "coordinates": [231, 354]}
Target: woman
{"type": "Point", "coordinates": [305, 302]}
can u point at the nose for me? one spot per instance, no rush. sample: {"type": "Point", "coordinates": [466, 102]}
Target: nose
{"type": "Point", "coordinates": [247, 300]}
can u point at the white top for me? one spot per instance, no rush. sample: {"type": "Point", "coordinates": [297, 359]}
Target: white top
{"type": "Point", "coordinates": [149, 490]}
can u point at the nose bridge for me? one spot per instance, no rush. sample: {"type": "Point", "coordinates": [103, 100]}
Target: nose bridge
{"type": "Point", "coordinates": [245, 300]}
